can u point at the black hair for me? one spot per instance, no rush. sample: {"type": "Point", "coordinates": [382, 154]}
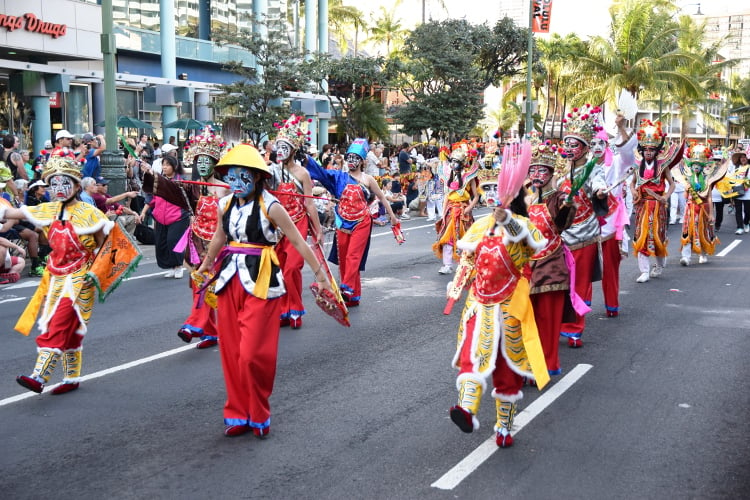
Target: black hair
{"type": "Point", "coordinates": [174, 163]}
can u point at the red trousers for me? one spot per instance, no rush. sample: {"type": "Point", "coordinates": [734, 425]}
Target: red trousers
{"type": "Point", "coordinates": [61, 329]}
{"type": "Point", "coordinates": [291, 263]}
{"type": "Point", "coordinates": [504, 379]}
{"type": "Point", "coordinates": [202, 319]}
{"type": "Point", "coordinates": [351, 251]}
{"type": "Point", "coordinates": [249, 347]}
{"type": "Point", "coordinates": [585, 261]}
{"type": "Point", "coordinates": [611, 274]}
{"type": "Point", "coordinates": [548, 313]}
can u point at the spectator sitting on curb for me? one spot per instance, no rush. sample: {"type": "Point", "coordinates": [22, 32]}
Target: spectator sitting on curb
{"type": "Point", "coordinates": [11, 266]}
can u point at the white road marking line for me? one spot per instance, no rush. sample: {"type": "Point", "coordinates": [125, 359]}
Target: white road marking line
{"type": "Point", "coordinates": [729, 248]}
{"type": "Point", "coordinates": [453, 477]}
{"type": "Point", "coordinates": [12, 300]}
{"type": "Point", "coordinates": [35, 283]}
{"type": "Point", "coordinates": [102, 373]}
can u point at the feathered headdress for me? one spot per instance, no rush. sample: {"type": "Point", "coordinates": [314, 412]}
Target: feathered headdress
{"type": "Point", "coordinates": [582, 123]}
{"type": "Point", "coordinates": [294, 131]}
{"type": "Point", "coordinates": [513, 172]}
{"type": "Point", "coordinates": [207, 143]}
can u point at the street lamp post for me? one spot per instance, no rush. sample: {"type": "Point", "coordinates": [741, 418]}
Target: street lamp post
{"type": "Point", "coordinates": [113, 163]}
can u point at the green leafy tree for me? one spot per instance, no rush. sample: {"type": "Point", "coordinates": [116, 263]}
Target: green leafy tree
{"type": "Point", "coordinates": [353, 85]}
{"type": "Point", "coordinates": [257, 96]}
{"type": "Point", "coordinates": [444, 87]}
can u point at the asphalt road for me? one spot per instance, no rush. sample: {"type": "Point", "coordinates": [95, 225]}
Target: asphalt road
{"type": "Point", "coordinates": [654, 405]}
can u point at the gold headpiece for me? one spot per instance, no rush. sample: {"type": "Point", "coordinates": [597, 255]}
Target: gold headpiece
{"type": "Point", "coordinates": [582, 123]}
{"type": "Point", "coordinates": [207, 144]}
{"type": "Point", "coordinates": [62, 165]}
{"type": "Point", "coordinates": [650, 134]}
{"type": "Point", "coordinates": [542, 152]}
{"type": "Point", "coordinates": [294, 131]}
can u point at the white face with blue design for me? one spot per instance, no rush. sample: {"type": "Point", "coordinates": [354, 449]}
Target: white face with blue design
{"type": "Point", "coordinates": [61, 187]}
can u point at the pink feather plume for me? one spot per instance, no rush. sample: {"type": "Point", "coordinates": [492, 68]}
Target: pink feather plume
{"type": "Point", "coordinates": [513, 171]}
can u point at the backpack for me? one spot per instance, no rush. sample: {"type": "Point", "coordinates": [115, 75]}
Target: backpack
{"type": "Point", "coordinates": [144, 234]}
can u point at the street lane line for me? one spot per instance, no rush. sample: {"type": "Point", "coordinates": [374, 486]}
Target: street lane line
{"type": "Point", "coordinates": [453, 477]}
{"type": "Point", "coordinates": [729, 248]}
{"type": "Point", "coordinates": [12, 300]}
{"type": "Point", "coordinates": [102, 373]}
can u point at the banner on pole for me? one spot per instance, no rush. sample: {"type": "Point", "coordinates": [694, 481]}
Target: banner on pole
{"type": "Point", "coordinates": [542, 16]}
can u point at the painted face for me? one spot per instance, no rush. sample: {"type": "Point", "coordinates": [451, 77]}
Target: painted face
{"type": "Point", "coordinates": [353, 161]}
{"type": "Point", "coordinates": [540, 175]}
{"type": "Point", "coordinates": [61, 187]}
{"type": "Point", "coordinates": [696, 167]}
{"type": "Point", "coordinates": [598, 147]}
{"type": "Point", "coordinates": [283, 151]}
{"type": "Point", "coordinates": [205, 165]}
{"type": "Point", "coordinates": [241, 181]}
{"type": "Point", "coordinates": [649, 153]}
{"type": "Point", "coordinates": [456, 164]}
{"type": "Point", "coordinates": [574, 149]}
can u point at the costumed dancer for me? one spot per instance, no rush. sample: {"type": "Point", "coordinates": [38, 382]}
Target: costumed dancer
{"type": "Point", "coordinates": [613, 235]}
{"type": "Point", "coordinates": [66, 297]}
{"type": "Point", "coordinates": [462, 196]}
{"type": "Point", "coordinates": [652, 186]}
{"type": "Point", "coordinates": [585, 185]}
{"type": "Point", "coordinates": [497, 337]}
{"type": "Point", "coordinates": [202, 153]}
{"type": "Point", "coordinates": [248, 286]}
{"type": "Point", "coordinates": [293, 180]}
{"type": "Point", "coordinates": [551, 214]}
{"type": "Point", "coordinates": [700, 173]}
{"type": "Point", "coordinates": [354, 190]}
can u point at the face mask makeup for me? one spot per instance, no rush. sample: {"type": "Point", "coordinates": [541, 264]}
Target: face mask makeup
{"type": "Point", "coordinates": [241, 181]}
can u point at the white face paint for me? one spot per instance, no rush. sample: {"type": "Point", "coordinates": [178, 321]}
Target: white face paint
{"type": "Point", "coordinates": [353, 161]}
{"type": "Point", "coordinates": [598, 147]}
{"type": "Point", "coordinates": [61, 187]}
{"type": "Point", "coordinates": [283, 151]}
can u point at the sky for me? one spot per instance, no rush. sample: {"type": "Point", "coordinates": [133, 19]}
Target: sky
{"type": "Point", "coordinates": [566, 14]}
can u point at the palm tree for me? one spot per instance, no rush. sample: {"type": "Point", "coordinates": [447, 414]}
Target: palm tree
{"type": "Point", "coordinates": [640, 53]}
{"type": "Point", "coordinates": [705, 69]}
{"type": "Point", "coordinates": [387, 29]}
{"type": "Point", "coordinates": [342, 18]}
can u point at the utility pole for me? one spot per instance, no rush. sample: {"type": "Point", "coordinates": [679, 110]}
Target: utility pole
{"type": "Point", "coordinates": [529, 61]}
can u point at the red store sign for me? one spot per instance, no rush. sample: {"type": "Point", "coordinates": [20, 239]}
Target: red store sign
{"type": "Point", "coordinates": [30, 22]}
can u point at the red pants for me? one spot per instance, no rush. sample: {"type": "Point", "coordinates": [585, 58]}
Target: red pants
{"type": "Point", "coordinates": [291, 263]}
{"type": "Point", "coordinates": [548, 313]}
{"type": "Point", "coordinates": [504, 380]}
{"type": "Point", "coordinates": [249, 346]}
{"type": "Point", "coordinates": [202, 320]}
{"type": "Point", "coordinates": [61, 329]}
{"type": "Point", "coordinates": [351, 251]}
{"type": "Point", "coordinates": [585, 261]}
{"type": "Point", "coordinates": [611, 274]}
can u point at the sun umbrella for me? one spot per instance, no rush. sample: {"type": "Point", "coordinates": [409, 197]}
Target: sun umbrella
{"type": "Point", "coordinates": [128, 122]}
{"type": "Point", "coordinates": [185, 124]}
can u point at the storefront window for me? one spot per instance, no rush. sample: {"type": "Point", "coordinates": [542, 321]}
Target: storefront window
{"type": "Point", "coordinates": [77, 109]}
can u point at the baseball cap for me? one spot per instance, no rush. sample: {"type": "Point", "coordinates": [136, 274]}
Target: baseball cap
{"type": "Point", "coordinates": [38, 183]}
{"type": "Point", "coordinates": [102, 180]}
{"type": "Point", "coordinates": [167, 148]}
{"type": "Point", "coordinates": [87, 137]}
{"type": "Point", "coordinates": [48, 144]}
{"type": "Point", "coordinates": [63, 134]}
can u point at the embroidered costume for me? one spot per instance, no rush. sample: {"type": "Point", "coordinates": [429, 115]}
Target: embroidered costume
{"type": "Point", "coordinates": [462, 196]}
{"type": "Point", "coordinates": [700, 173]}
{"type": "Point", "coordinates": [65, 297]}
{"type": "Point", "coordinates": [652, 186]}
{"type": "Point", "coordinates": [203, 152]}
{"type": "Point", "coordinates": [497, 337]}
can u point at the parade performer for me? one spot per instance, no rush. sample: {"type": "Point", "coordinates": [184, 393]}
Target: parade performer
{"type": "Point", "coordinates": [248, 286]}
{"type": "Point", "coordinates": [652, 186]}
{"type": "Point", "coordinates": [613, 235]}
{"type": "Point", "coordinates": [354, 190]}
{"type": "Point", "coordinates": [462, 196]}
{"type": "Point", "coordinates": [203, 151]}
{"type": "Point", "coordinates": [293, 180]}
{"type": "Point", "coordinates": [700, 173]}
{"type": "Point", "coordinates": [582, 238]}
{"type": "Point", "coordinates": [497, 337]}
{"type": "Point", "coordinates": [66, 297]}
{"type": "Point", "coordinates": [551, 214]}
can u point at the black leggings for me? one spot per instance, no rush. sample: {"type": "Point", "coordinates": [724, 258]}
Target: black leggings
{"type": "Point", "coordinates": [741, 206]}
{"type": "Point", "coordinates": [718, 213]}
